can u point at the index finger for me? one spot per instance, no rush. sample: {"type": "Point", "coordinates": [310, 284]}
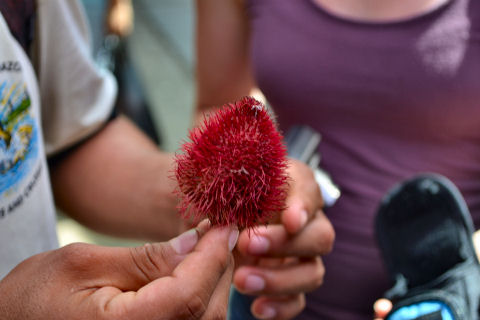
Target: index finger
{"type": "Point", "coordinates": [187, 292]}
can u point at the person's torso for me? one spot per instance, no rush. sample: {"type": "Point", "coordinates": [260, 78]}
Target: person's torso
{"type": "Point", "coordinates": [390, 100]}
{"type": "Point", "coordinates": [27, 213]}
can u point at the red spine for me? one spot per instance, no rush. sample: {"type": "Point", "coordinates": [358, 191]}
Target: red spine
{"type": "Point", "coordinates": [233, 168]}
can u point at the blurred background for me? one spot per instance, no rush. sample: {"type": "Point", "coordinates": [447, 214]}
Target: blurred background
{"type": "Point", "coordinates": [160, 54]}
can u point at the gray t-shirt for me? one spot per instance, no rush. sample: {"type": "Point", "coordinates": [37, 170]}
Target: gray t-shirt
{"type": "Point", "coordinates": [43, 109]}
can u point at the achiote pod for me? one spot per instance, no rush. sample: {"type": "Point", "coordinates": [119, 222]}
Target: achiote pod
{"type": "Point", "coordinates": [233, 168]}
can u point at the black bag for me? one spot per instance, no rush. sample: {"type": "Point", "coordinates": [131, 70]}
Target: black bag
{"type": "Point", "coordinates": [131, 101]}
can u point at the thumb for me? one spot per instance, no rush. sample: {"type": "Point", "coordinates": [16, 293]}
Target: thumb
{"type": "Point", "coordinates": [381, 308]}
{"type": "Point", "coordinates": [187, 291]}
{"type": "Point", "coordinates": [129, 269]}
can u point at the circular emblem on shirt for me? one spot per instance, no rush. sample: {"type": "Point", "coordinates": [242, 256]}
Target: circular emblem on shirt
{"type": "Point", "coordinates": [18, 134]}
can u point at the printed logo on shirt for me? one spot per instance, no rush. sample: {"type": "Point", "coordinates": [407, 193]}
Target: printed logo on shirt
{"type": "Point", "coordinates": [10, 66]}
{"type": "Point", "coordinates": [18, 134]}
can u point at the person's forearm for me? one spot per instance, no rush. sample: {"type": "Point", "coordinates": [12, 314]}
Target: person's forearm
{"type": "Point", "coordinates": [118, 182]}
{"type": "Point", "coordinates": [223, 70]}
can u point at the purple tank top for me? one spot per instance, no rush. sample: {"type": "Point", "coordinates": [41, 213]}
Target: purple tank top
{"type": "Point", "coordinates": [390, 100]}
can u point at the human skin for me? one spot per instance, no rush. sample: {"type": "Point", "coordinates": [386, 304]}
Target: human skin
{"type": "Point", "coordinates": [224, 73]}
{"type": "Point", "coordinates": [280, 262]}
{"type": "Point", "coordinates": [186, 278]}
{"type": "Point", "coordinates": [120, 17]}
{"type": "Point", "coordinates": [383, 306]}
{"type": "Point", "coordinates": [118, 182]}
{"type": "Point", "coordinates": [378, 10]}
{"type": "Point", "coordinates": [294, 242]}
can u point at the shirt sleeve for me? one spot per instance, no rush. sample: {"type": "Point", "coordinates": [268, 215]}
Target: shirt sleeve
{"type": "Point", "coordinates": [77, 96]}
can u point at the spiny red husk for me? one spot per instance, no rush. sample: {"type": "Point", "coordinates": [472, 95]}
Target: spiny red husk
{"type": "Point", "coordinates": [233, 169]}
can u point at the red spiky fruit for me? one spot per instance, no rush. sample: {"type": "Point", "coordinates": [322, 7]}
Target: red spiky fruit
{"type": "Point", "coordinates": [233, 169]}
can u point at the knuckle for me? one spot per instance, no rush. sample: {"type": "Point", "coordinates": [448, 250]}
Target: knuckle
{"type": "Point", "coordinates": [291, 307]}
{"type": "Point", "coordinates": [219, 313]}
{"type": "Point", "coordinates": [222, 261]}
{"type": "Point", "coordinates": [301, 302]}
{"type": "Point", "coordinates": [146, 260]}
{"type": "Point", "coordinates": [325, 238]}
{"type": "Point", "coordinates": [101, 312]}
{"type": "Point", "coordinates": [319, 273]}
{"type": "Point", "coordinates": [76, 256]}
{"type": "Point", "coordinates": [329, 236]}
{"type": "Point", "coordinates": [195, 306]}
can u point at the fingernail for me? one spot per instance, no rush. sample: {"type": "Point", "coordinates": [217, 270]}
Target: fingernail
{"type": "Point", "coordinates": [185, 242]}
{"type": "Point", "coordinates": [258, 245]}
{"type": "Point", "coordinates": [266, 312]}
{"type": "Point", "coordinates": [232, 239]}
{"type": "Point", "coordinates": [254, 283]}
{"type": "Point", "coordinates": [303, 218]}
{"type": "Point", "coordinates": [204, 226]}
